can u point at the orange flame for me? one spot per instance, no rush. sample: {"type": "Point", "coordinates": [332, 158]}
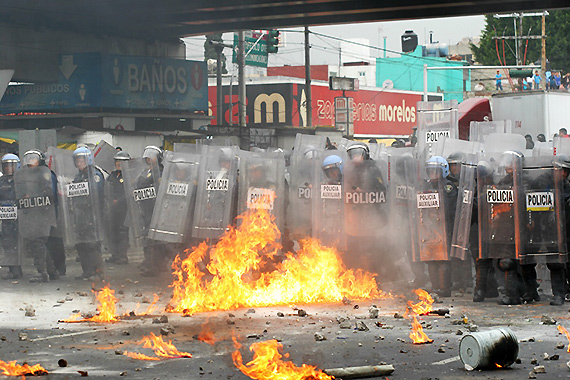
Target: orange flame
{"type": "Point", "coordinates": [563, 330]}
{"type": "Point", "coordinates": [498, 365]}
{"type": "Point", "coordinates": [417, 334]}
{"type": "Point", "coordinates": [161, 349]}
{"type": "Point", "coordinates": [149, 310]}
{"type": "Point", "coordinates": [13, 369]}
{"type": "Point", "coordinates": [267, 364]}
{"type": "Point", "coordinates": [206, 335]}
{"type": "Point", "coordinates": [314, 274]}
{"type": "Point", "coordinates": [424, 306]}
{"type": "Point", "coordinates": [106, 308]}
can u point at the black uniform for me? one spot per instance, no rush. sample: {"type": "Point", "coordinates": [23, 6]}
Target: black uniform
{"type": "Point", "coordinates": [118, 233]}
{"type": "Point", "coordinates": [9, 230]}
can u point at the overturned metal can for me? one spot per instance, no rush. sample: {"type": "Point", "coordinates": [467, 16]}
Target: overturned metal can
{"type": "Point", "coordinates": [489, 349]}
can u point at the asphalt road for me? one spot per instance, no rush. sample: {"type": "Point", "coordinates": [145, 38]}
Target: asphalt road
{"type": "Point", "coordinates": [96, 348]}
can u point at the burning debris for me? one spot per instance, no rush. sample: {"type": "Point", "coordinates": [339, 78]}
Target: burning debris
{"type": "Point", "coordinates": [424, 306]}
{"type": "Point", "coordinates": [13, 369]}
{"type": "Point", "coordinates": [107, 301]}
{"type": "Point", "coordinates": [267, 364]}
{"type": "Point", "coordinates": [417, 334]}
{"type": "Point", "coordinates": [565, 332]}
{"type": "Point", "coordinates": [162, 349]}
{"type": "Point", "coordinates": [206, 335]}
{"type": "Point", "coordinates": [244, 272]}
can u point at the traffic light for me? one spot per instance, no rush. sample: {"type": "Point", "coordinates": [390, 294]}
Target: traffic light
{"type": "Point", "coordinates": [272, 41]}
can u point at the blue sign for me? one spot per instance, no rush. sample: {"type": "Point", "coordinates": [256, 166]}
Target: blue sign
{"type": "Point", "coordinates": [95, 81]}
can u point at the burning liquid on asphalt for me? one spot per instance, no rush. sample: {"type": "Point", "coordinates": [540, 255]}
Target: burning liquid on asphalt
{"type": "Point", "coordinates": [417, 334]}
{"type": "Point", "coordinates": [565, 332]}
{"type": "Point", "coordinates": [267, 364]}
{"type": "Point", "coordinates": [162, 349]}
{"type": "Point", "coordinates": [13, 369]}
{"type": "Point", "coordinates": [424, 306]}
{"type": "Point", "coordinates": [244, 270]}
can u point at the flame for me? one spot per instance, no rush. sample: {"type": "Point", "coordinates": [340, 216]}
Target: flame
{"type": "Point", "coordinates": [267, 364]}
{"type": "Point", "coordinates": [417, 334]}
{"type": "Point", "coordinates": [13, 369]}
{"type": "Point", "coordinates": [150, 309]}
{"type": "Point", "coordinates": [106, 308]}
{"type": "Point", "coordinates": [161, 349]}
{"type": "Point", "coordinates": [239, 264]}
{"type": "Point", "coordinates": [563, 330]}
{"type": "Point", "coordinates": [424, 306]}
{"type": "Point", "coordinates": [206, 335]}
{"type": "Point", "coordinates": [498, 365]}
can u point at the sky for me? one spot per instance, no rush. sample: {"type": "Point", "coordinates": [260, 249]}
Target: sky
{"type": "Point", "coordinates": [326, 50]}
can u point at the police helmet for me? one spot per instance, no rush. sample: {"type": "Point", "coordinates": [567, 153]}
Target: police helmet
{"type": "Point", "coordinates": [332, 161]}
{"type": "Point", "coordinates": [439, 163]}
{"type": "Point", "coordinates": [152, 151]}
{"type": "Point", "coordinates": [85, 153]}
{"type": "Point", "coordinates": [310, 152]}
{"type": "Point", "coordinates": [507, 158]}
{"type": "Point", "coordinates": [34, 157]}
{"type": "Point", "coordinates": [484, 169]}
{"type": "Point", "coordinates": [122, 156]}
{"type": "Point", "coordinates": [358, 150]}
{"type": "Point", "coordinates": [562, 161]}
{"type": "Point", "coordinates": [10, 160]}
{"type": "Point", "coordinates": [455, 158]}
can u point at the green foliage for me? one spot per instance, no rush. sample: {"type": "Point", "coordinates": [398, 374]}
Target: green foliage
{"type": "Point", "coordinates": [557, 41]}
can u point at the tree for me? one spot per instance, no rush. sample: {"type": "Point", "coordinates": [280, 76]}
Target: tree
{"type": "Point", "coordinates": [210, 50]}
{"type": "Point", "coordinates": [557, 41]}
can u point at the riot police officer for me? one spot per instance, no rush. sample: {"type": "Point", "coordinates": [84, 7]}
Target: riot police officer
{"type": "Point", "coordinates": [87, 228]}
{"type": "Point", "coordinates": [117, 209]}
{"type": "Point", "coordinates": [8, 217]}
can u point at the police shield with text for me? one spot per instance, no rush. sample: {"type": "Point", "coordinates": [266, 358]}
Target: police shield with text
{"type": "Point", "coordinates": [116, 203]}
{"type": "Point", "coordinates": [499, 198]}
{"type": "Point", "coordinates": [435, 199]}
{"type": "Point", "coordinates": [216, 198]}
{"type": "Point", "coordinates": [366, 212]}
{"type": "Point", "coordinates": [436, 120]}
{"type": "Point", "coordinates": [543, 229]}
{"type": "Point", "coordinates": [174, 208]}
{"type": "Point", "coordinates": [82, 187]}
{"type": "Point", "coordinates": [10, 253]}
{"type": "Point", "coordinates": [328, 201]}
{"type": "Point", "coordinates": [141, 187]}
{"type": "Point", "coordinates": [36, 201]}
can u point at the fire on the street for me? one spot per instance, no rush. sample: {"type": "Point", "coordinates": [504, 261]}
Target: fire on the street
{"type": "Point", "coordinates": [243, 271]}
{"type": "Point", "coordinates": [106, 309]}
{"type": "Point", "coordinates": [162, 349]}
{"type": "Point", "coordinates": [417, 334]}
{"type": "Point", "coordinates": [268, 365]}
{"type": "Point", "coordinates": [206, 335]}
{"type": "Point", "coordinates": [563, 330]}
{"type": "Point", "coordinates": [424, 306]}
{"type": "Point", "coordinates": [13, 369]}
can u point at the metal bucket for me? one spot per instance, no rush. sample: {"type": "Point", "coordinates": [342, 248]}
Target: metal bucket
{"type": "Point", "coordinates": [493, 348]}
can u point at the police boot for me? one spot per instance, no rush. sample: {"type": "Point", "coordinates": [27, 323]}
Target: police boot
{"type": "Point", "coordinates": [42, 277]}
{"type": "Point", "coordinates": [492, 284]}
{"type": "Point", "coordinates": [433, 276]}
{"type": "Point", "coordinates": [511, 289]}
{"type": "Point", "coordinates": [481, 272]}
{"type": "Point", "coordinates": [444, 279]}
{"type": "Point", "coordinates": [530, 285]}
{"type": "Point", "coordinates": [557, 280]}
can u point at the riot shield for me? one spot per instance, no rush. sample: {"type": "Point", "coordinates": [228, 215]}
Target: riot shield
{"type": "Point", "coordinates": [542, 149]}
{"type": "Point", "coordinates": [561, 145]}
{"type": "Point", "coordinates": [542, 225]}
{"type": "Point", "coordinates": [500, 195]}
{"type": "Point", "coordinates": [445, 147]}
{"type": "Point", "coordinates": [11, 245]}
{"type": "Point", "coordinates": [328, 202]}
{"type": "Point", "coordinates": [500, 142]}
{"type": "Point", "coordinates": [302, 188]}
{"type": "Point", "coordinates": [435, 120]}
{"type": "Point", "coordinates": [174, 207]}
{"type": "Point", "coordinates": [217, 192]}
{"type": "Point", "coordinates": [187, 148]}
{"type": "Point", "coordinates": [432, 202]}
{"type": "Point", "coordinates": [104, 156]}
{"type": "Point", "coordinates": [141, 182]}
{"type": "Point", "coordinates": [81, 199]}
{"type": "Point", "coordinates": [262, 183]}
{"type": "Point", "coordinates": [480, 130]}
{"type": "Point", "coordinates": [464, 209]}
{"type": "Point", "coordinates": [302, 141]}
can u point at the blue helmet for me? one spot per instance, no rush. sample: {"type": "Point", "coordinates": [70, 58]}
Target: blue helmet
{"type": "Point", "coordinates": [83, 152]}
{"type": "Point", "coordinates": [332, 161]}
{"type": "Point", "coordinates": [10, 159]}
{"type": "Point", "coordinates": [440, 163]}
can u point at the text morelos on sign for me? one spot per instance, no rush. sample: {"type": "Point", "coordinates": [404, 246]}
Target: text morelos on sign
{"type": "Point", "coordinates": [144, 194]}
{"type": "Point", "coordinates": [8, 213]}
{"type": "Point", "coordinates": [177, 188]}
{"type": "Point", "coordinates": [331, 191]}
{"type": "Point", "coordinates": [500, 196]}
{"type": "Point", "coordinates": [428, 200]}
{"type": "Point", "coordinates": [78, 189]}
{"type": "Point", "coordinates": [433, 136]}
{"type": "Point", "coordinates": [540, 201]}
{"type": "Point", "coordinates": [260, 198]}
